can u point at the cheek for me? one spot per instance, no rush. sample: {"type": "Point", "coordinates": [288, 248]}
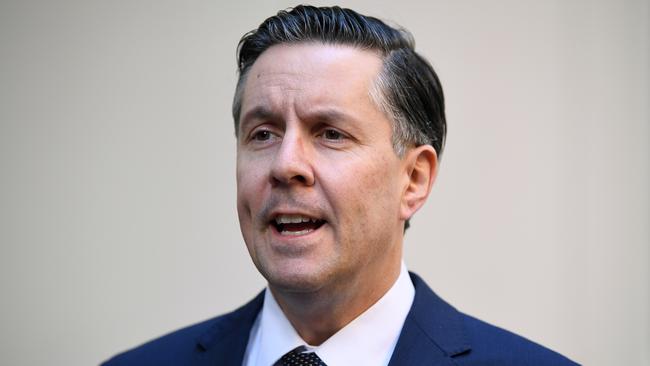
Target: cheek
{"type": "Point", "coordinates": [365, 192]}
{"type": "Point", "coordinates": [250, 179]}
{"type": "Point", "coordinates": [250, 192]}
{"type": "Point", "coordinates": [378, 178]}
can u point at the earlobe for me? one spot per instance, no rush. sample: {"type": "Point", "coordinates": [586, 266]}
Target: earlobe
{"type": "Point", "coordinates": [422, 168]}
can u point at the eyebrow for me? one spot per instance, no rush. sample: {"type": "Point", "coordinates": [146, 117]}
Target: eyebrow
{"type": "Point", "coordinates": [257, 113]}
{"type": "Point", "coordinates": [325, 114]}
{"type": "Point", "coordinates": [328, 115]}
{"type": "Point", "coordinates": [335, 117]}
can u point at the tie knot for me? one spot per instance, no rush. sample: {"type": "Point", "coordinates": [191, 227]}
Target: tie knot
{"type": "Point", "coordinates": [297, 357]}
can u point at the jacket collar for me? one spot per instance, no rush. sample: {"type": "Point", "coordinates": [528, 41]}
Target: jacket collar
{"type": "Point", "coordinates": [227, 338]}
{"type": "Point", "coordinates": [433, 332]}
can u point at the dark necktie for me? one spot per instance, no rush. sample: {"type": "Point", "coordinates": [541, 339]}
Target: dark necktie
{"type": "Point", "coordinates": [296, 357]}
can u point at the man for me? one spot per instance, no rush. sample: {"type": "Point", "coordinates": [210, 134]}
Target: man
{"type": "Point", "coordinates": [340, 125]}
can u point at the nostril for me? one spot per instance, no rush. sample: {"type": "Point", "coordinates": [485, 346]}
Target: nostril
{"type": "Point", "coordinates": [291, 167]}
{"type": "Point", "coordinates": [296, 178]}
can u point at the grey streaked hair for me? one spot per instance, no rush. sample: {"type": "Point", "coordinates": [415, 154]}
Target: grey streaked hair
{"type": "Point", "coordinates": [407, 89]}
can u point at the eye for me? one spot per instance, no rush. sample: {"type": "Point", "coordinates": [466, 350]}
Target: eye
{"type": "Point", "coordinates": [261, 135]}
{"type": "Point", "coordinates": [331, 134]}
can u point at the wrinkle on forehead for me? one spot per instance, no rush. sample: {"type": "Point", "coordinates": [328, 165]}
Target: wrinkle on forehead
{"type": "Point", "coordinates": [298, 77]}
{"type": "Point", "coordinates": [279, 93]}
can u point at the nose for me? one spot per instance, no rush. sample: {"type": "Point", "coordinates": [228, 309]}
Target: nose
{"type": "Point", "coordinates": [292, 163]}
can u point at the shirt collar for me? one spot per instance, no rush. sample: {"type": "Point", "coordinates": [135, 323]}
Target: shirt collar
{"type": "Point", "coordinates": [276, 334]}
{"type": "Point", "coordinates": [367, 340]}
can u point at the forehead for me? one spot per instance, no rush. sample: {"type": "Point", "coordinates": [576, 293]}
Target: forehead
{"type": "Point", "coordinates": [311, 75]}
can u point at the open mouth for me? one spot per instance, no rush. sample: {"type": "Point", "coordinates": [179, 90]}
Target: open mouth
{"type": "Point", "coordinates": [294, 225]}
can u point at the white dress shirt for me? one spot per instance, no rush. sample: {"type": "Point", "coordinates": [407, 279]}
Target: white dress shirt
{"type": "Point", "coordinates": [369, 339]}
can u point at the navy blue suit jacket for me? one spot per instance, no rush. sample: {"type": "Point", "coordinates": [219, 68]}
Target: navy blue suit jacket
{"type": "Point", "coordinates": [434, 334]}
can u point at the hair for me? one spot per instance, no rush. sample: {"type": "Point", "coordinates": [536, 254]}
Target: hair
{"type": "Point", "coordinates": [407, 88]}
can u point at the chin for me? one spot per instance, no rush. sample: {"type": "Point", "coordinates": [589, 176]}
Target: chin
{"type": "Point", "coordinates": [295, 278]}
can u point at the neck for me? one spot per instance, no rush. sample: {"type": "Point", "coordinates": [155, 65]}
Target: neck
{"type": "Point", "coordinates": [318, 315]}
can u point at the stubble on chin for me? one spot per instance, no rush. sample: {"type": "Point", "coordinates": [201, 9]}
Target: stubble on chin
{"type": "Point", "coordinates": [297, 277]}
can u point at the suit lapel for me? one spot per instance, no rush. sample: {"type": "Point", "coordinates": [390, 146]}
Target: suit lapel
{"type": "Point", "coordinates": [433, 331]}
{"type": "Point", "coordinates": [432, 335]}
{"type": "Point", "coordinates": [224, 344]}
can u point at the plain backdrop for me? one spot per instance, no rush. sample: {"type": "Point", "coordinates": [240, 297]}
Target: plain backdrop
{"type": "Point", "coordinates": [117, 190]}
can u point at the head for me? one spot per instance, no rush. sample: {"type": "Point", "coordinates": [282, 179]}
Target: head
{"type": "Point", "coordinates": [339, 127]}
{"type": "Point", "coordinates": [407, 88]}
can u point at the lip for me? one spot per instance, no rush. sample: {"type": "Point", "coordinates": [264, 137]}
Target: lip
{"type": "Point", "coordinates": [288, 212]}
{"type": "Point", "coordinates": [291, 212]}
{"type": "Point", "coordinates": [277, 234]}
{"type": "Point", "coordinates": [275, 213]}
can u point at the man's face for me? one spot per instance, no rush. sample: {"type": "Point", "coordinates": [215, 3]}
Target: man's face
{"type": "Point", "coordinates": [318, 182]}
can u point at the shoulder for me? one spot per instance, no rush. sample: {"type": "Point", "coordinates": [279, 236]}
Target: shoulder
{"type": "Point", "coordinates": [470, 341]}
{"type": "Point", "coordinates": [190, 345]}
{"type": "Point", "coordinates": [178, 345]}
{"type": "Point", "coordinates": [492, 345]}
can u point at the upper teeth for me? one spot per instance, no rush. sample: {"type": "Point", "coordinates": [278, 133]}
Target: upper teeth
{"type": "Point", "coordinates": [293, 219]}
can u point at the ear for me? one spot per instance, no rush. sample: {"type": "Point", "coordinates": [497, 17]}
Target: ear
{"type": "Point", "coordinates": [421, 171]}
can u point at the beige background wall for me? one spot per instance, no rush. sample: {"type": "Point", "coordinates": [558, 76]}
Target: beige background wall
{"type": "Point", "coordinates": [117, 207]}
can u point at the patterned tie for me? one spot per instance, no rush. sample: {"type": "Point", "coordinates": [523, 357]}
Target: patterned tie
{"type": "Point", "coordinates": [296, 357]}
